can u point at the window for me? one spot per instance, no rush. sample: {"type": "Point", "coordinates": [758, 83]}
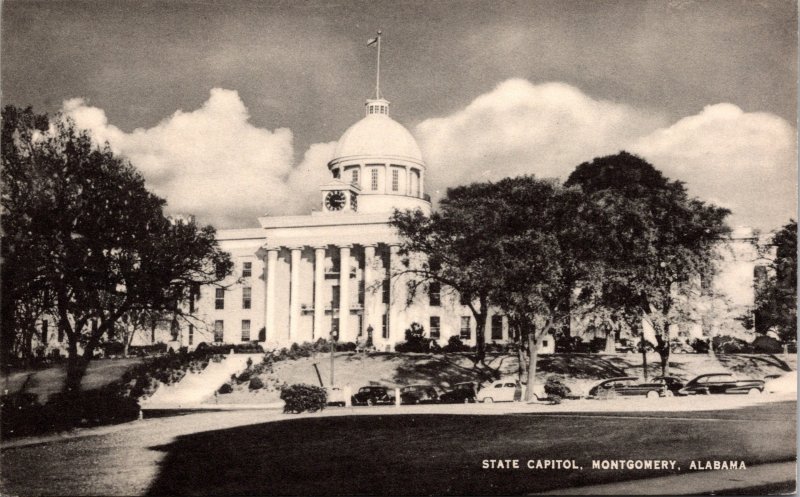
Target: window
{"type": "Point", "coordinates": [245, 330]}
{"type": "Point", "coordinates": [374, 182]}
{"type": "Point", "coordinates": [219, 330]}
{"type": "Point", "coordinates": [435, 294]}
{"type": "Point", "coordinates": [219, 301]}
{"type": "Point", "coordinates": [385, 326]}
{"type": "Point", "coordinates": [435, 326]}
{"type": "Point", "coordinates": [385, 291]}
{"type": "Point", "coordinates": [335, 296]}
{"type": "Point", "coordinates": [466, 333]}
{"type": "Point", "coordinates": [395, 180]}
{"type": "Point", "coordinates": [355, 176]}
{"type": "Point", "coordinates": [44, 331]}
{"type": "Point", "coordinates": [545, 343]}
{"type": "Point", "coordinates": [360, 325]}
{"type": "Point", "coordinates": [247, 269]}
{"type": "Point", "coordinates": [497, 327]}
{"type": "Point", "coordinates": [191, 334]}
{"type": "Point", "coordinates": [246, 297]}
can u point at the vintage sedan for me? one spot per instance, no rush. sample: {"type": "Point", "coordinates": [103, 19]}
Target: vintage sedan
{"type": "Point", "coordinates": [373, 395]}
{"type": "Point", "coordinates": [500, 391]}
{"type": "Point", "coordinates": [419, 394]}
{"type": "Point", "coordinates": [627, 386]}
{"type": "Point", "coordinates": [462, 393]}
{"type": "Point", "coordinates": [717, 383]}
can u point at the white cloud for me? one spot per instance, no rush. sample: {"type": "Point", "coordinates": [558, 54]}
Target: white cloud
{"type": "Point", "coordinates": [743, 161]}
{"type": "Point", "coordinates": [210, 162]}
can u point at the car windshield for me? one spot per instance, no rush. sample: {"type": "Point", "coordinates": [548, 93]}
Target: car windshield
{"type": "Point", "coordinates": [412, 388]}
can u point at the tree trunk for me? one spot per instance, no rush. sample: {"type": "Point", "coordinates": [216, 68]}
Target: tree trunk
{"type": "Point", "coordinates": [480, 337]}
{"type": "Point", "coordinates": [521, 359]}
{"type": "Point", "coordinates": [533, 352]}
{"type": "Point", "coordinates": [643, 346]}
{"type": "Point", "coordinates": [76, 367]}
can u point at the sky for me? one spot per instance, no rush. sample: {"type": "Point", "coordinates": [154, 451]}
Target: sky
{"type": "Point", "coordinates": [232, 109]}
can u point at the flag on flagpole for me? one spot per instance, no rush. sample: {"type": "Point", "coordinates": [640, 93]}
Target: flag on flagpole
{"type": "Point", "coordinates": [372, 41]}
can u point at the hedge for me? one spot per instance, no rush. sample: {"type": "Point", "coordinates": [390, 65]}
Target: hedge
{"type": "Point", "coordinates": [302, 397]}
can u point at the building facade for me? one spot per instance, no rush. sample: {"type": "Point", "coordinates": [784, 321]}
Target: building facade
{"type": "Point", "coordinates": [302, 278]}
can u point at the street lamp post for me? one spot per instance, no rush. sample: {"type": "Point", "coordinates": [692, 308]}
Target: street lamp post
{"type": "Point", "coordinates": [334, 338]}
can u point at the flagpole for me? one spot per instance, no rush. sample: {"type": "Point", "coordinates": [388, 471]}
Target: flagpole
{"type": "Point", "coordinates": [378, 74]}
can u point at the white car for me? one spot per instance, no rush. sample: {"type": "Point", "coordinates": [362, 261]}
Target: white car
{"type": "Point", "coordinates": [500, 391]}
{"type": "Point", "coordinates": [336, 396]}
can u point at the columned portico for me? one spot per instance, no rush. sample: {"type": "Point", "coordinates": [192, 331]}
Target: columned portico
{"type": "Point", "coordinates": [294, 294]}
{"type": "Point", "coordinates": [269, 319]}
{"type": "Point", "coordinates": [319, 281]}
{"type": "Point", "coordinates": [344, 292]}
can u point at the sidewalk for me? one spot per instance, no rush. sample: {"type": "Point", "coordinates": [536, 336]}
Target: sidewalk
{"type": "Point", "coordinates": [697, 483]}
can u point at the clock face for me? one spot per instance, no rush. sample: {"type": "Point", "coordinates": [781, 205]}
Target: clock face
{"type": "Point", "coordinates": [335, 201]}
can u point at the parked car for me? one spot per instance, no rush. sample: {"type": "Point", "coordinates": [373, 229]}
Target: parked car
{"type": "Point", "coordinates": [373, 395]}
{"type": "Point", "coordinates": [673, 384]}
{"type": "Point", "coordinates": [419, 394]}
{"type": "Point", "coordinates": [627, 386]}
{"type": "Point", "coordinates": [461, 393]}
{"type": "Point", "coordinates": [500, 391]}
{"type": "Point", "coordinates": [335, 396]}
{"type": "Point", "coordinates": [716, 383]}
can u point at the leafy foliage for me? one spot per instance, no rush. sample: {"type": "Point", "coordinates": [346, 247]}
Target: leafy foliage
{"type": "Point", "coordinates": [302, 397]}
{"type": "Point", "coordinates": [776, 297]}
{"type": "Point", "coordinates": [81, 223]}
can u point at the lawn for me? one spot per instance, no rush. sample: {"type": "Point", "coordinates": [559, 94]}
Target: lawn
{"type": "Point", "coordinates": [431, 454]}
{"type": "Point", "coordinates": [44, 382]}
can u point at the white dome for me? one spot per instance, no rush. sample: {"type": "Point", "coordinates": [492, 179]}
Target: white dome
{"type": "Point", "coordinates": [378, 135]}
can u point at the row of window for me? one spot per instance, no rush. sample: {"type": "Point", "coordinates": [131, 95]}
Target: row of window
{"type": "Point", "coordinates": [219, 330]}
{"type": "Point", "coordinates": [374, 177]}
{"type": "Point", "coordinates": [247, 298]}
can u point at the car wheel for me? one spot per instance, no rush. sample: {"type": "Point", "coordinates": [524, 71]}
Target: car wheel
{"type": "Point", "coordinates": [652, 394]}
{"type": "Point", "coordinates": [370, 402]}
{"type": "Point", "coordinates": [488, 400]}
{"type": "Point", "coordinates": [754, 391]}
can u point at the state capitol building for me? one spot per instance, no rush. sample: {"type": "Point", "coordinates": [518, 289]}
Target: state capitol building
{"type": "Point", "coordinates": [300, 278]}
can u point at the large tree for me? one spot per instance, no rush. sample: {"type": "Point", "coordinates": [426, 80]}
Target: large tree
{"type": "Point", "coordinates": [547, 257]}
{"type": "Point", "coordinates": [460, 246]}
{"type": "Point", "coordinates": [776, 295]}
{"type": "Point", "coordinates": [654, 242]}
{"type": "Point", "coordinates": [80, 221]}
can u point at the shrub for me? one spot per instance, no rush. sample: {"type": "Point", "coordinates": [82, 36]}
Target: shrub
{"type": "Point", "coordinates": [454, 344]}
{"type": "Point", "coordinates": [556, 389]}
{"type": "Point", "coordinates": [346, 347]}
{"type": "Point", "coordinates": [225, 388]}
{"type": "Point", "coordinates": [766, 345]}
{"type": "Point", "coordinates": [730, 345]}
{"type": "Point", "coordinates": [256, 383]}
{"type": "Point", "coordinates": [301, 397]}
{"type": "Point", "coordinates": [700, 346]}
{"type": "Point", "coordinates": [244, 376]}
{"type": "Point", "coordinates": [112, 348]}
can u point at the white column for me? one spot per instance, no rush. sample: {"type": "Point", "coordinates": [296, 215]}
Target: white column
{"type": "Point", "coordinates": [396, 294]}
{"type": "Point", "coordinates": [408, 181]}
{"type": "Point", "coordinates": [369, 292]}
{"type": "Point", "coordinates": [421, 183]}
{"type": "Point", "coordinates": [269, 321]}
{"type": "Point", "coordinates": [344, 292]}
{"type": "Point", "coordinates": [319, 282]}
{"type": "Point", "coordinates": [386, 180]}
{"type": "Point", "coordinates": [294, 295]}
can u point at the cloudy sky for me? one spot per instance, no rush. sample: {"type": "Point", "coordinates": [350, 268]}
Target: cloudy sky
{"type": "Point", "coordinates": [232, 109]}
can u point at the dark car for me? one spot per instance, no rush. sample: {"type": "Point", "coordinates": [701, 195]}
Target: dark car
{"type": "Point", "coordinates": [627, 386]}
{"type": "Point", "coordinates": [418, 394]}
{"type": "Point", "coordinates": [674, 384]}
{"type": "Point", "coordinates": [716, 383]}
{"type": "Point", "coordinates": [461, 393]}
{"type": "Point", "coordinates": [370, 396]}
